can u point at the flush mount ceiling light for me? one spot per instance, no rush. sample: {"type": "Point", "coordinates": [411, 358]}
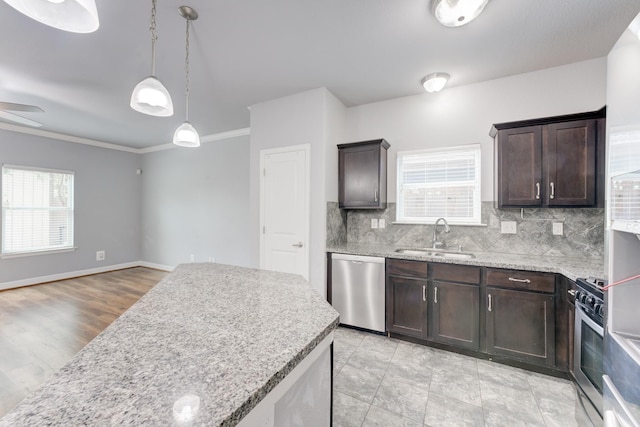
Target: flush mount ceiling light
{"type": "Point", "coordinates": [150, 96]}
{"type": "Point", "coordinates": [435, 82]}
{"type": "Point", "coordinates": [454, 13]}
{"type": "Point", "coordinates": [186, 135]}
{"type": "Point", "coordinates": [76, 16]}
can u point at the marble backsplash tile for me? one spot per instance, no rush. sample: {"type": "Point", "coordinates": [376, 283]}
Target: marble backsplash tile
{"type": "Point", "coordinates": [583, 235]}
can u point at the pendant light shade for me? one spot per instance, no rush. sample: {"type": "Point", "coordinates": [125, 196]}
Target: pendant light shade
{"type": "Point", "coordinates": [186, 136]}
{"type": "Point", "coordinates": [150, 96]}
{"type": "Point", "coordinates": [454, 13]}
{"type": "Point", "coordinates": [76, 16]}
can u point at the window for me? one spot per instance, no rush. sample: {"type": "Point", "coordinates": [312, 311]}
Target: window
{"type": "Point", "coordinates": [439, 183]}
{"type": "Point", "coordinates": [37, 210]}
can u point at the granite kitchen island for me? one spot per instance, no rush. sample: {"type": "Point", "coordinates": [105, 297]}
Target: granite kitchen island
{"type": "Point", "coordinates": [210, 344]}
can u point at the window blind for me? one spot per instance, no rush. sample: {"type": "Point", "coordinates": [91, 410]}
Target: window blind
{"type": "Point", "coordinates": [439, 183]}
{"type": "Point", "coordinates": [37, 210]}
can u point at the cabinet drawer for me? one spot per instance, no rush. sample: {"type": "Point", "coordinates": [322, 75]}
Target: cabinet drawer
{"type": "Point", "coordinates": [407, 268]}
{"type": "Point", "coordinates": [456, 273]}
{"type": "Point", "coordinates": [525, 280]}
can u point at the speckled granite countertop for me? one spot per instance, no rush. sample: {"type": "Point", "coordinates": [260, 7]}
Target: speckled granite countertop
{"type": "Point", "coordinates": [226, 334]}
{"type": "Point", "coordinates": [569, 267]}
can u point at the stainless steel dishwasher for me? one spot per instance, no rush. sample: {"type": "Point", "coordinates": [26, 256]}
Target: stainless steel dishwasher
{"type": "Point", "coordinates": [357, 290]}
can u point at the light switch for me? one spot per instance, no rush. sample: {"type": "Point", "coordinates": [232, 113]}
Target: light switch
{"type": "Point", "coordinates": [374, 222]}
{"type": "Point", "coordinates": [558, 229]}
{"type": "Point", "coordinates": [382, 223]}
{"type": "Point", "coordinates": [508, 227]}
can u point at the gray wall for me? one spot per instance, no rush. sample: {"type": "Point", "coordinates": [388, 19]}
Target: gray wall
{"type": "Point", "coordinates": [107, 209]}
{"type": "Point", "coordinates": [197, 202]}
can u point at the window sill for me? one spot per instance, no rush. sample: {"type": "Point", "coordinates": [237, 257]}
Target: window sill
{"type": "Point", "coordinates": [34, 253]}
{"type": "Point", "coordinates": [431, 223]}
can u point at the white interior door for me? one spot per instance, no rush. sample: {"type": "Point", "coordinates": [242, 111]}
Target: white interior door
{"type": "Point", "coordinates": [284, 210]}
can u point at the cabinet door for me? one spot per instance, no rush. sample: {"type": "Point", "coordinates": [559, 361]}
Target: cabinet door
{"type": "Point", "coordinates": [406, 306]}
{"type": "Point", "coordinates": [570, 153]}
{"type": "Point", "coordinates": [521, 325]}
{"type": "Point", "coordinates": [359, 176]}
{"type": "Point", "coordinates": [455, 314]}
{"type": "Point", "coordinates": [519, 172]}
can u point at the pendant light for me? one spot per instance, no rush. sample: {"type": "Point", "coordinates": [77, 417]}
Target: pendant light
{"type": "Point", "coordinates": [76, 16]}
{"type": "Point", "coordinates": [454, 13]}
{"type": "Point", "coordinates": [186, 135]}
{"type": "Point", "coordinates": [150, 96]}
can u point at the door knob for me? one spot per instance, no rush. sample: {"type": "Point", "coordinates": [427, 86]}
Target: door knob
{"type": "Point", "coordinates": [298, 245]}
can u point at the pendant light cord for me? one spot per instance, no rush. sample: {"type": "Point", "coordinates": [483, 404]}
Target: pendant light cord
{"type": "Point", "coordinates": [154, 37]}
{"type": "Point", "coordinates": [186, 67]}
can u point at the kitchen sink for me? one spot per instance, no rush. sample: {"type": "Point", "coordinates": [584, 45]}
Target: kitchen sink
{"type": "Point", "coordinates": [436, 253]}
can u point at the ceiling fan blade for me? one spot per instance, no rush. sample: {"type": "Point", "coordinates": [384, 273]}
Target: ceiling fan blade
{"type": "Point", "coordinates": [19, 119]}
{"type": "Point", "coordinates": [20, 107]}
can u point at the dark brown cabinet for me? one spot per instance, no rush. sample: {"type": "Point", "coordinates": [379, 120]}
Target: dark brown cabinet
{"type": "Point", "coordinates": [520, 316]}
{"type": "Point", "coordinates": [550, 162]}
{"type": "Point", "coordinates": [454, 308]}
{"type": "Point", "coordinates": [362, 175]}
{"type": "Point", "coordinates": [406, 288]}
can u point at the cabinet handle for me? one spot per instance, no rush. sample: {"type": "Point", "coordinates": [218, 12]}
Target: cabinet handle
{"type": "Point", "coordinates": [435, 295]}
{"type": "Point", "coordinates": [512, 279]}
{"type": "Point", "coordinates": [572, 292]}
{"type": "Point", "coordinates": [537, 191]}
{"type": "Point", "coordinates": [424, 293]}
{"type": "Point", "coordinates": [375, 195]}
{"type": "Point", "coordinates": [553, 191]}
{"type": "Point", "coordinates": [489, 307]}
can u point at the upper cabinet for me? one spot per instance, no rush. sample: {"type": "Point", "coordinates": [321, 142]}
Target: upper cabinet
{"type": "Point", "coordinates": [550, 162]}
{"type": "Point", "coordinates": [362, 175]}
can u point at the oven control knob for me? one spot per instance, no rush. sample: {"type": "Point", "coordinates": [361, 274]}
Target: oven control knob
{"type": "Point", "coordinates": [591, 301]}
{"type": "Point", "coordinates": [578, 295]}
{"type": "Point", "coordinates": [598, 309]}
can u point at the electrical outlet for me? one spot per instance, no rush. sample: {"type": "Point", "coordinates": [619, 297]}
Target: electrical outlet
{"type": "Point", "coordinates": [192, 258]}
{"type": "Point", "coordinates": [508, 227]}
{"type": "Point", "coordinates": [558, 229]}
{"type": "Point", "coordinates": [382, 223]}
{"type": "Point", "coordinates": [100, 255]}
{"type": "Point", "coordinates": [374, 222]}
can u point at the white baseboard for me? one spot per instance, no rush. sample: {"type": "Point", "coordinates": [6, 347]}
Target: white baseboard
{"type": "Point", "coordinates": [79, 273]}
{"type": "Point", "coordinates": [156, 266]}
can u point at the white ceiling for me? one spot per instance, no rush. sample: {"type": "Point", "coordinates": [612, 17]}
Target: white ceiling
{"type": "Point", "coordinates": [248, 51]}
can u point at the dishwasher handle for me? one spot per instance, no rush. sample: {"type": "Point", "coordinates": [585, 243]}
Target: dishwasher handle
{"type": "Point", "coordinates": [357, 258]}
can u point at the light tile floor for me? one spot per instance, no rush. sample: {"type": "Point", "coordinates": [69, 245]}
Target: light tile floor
{"type": "Point", "coordinates": [385, 382]}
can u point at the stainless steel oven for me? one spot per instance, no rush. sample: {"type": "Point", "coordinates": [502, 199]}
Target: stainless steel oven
{"type": "Point", "coordinates": [589, 347]}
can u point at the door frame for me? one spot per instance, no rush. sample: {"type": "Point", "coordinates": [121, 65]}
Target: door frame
{"type": "Point", "coordinates": [306, 148]}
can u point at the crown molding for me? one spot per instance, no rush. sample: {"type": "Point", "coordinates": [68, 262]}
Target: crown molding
{"type": "Point", "coordinates": [110, 146]}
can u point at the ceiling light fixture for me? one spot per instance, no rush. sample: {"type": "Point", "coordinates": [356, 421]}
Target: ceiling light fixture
{"type": "Point", "coordinates": [150, 96]}
{"type": "Point", "coordinates": [186, 135]}
{"type": "Point", "coordinates": [76, 16]}
{"type": "Point", "coordinates": [454, 13]}
{"type": "Point", "coordinates": [435, 82]}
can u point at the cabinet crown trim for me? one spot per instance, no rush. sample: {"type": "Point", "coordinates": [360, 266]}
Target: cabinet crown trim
{"type": "Point", "coordinates": [598, 114]}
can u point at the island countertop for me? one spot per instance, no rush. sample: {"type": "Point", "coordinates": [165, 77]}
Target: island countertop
{"type": "Point", "coordinates": [226, 334]}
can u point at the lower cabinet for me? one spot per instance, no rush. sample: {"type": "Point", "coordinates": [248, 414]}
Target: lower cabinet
{"type": "Point", "coordinates": [406, 288]}
{"type": "Point", "coordinates": [521, 325]}
{"type": "Point", "coordinates": [510, 314]}
{"type": "Point", "coordinates": [454, 308]}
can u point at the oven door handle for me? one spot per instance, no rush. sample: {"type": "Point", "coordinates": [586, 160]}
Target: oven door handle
{"type": "Point", "coordinates": [588, 320]}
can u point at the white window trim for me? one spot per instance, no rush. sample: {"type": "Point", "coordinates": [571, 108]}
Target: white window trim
{"type": "Point", "coordinates": [46, 251]}
{"type": "Point", "coordinates": [477, 218]}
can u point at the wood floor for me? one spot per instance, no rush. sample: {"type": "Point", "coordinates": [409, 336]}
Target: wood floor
{"type": "Point", "coordinates": [42, 327]}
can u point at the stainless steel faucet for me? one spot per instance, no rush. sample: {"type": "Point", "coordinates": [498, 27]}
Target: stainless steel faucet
{"type": "Point", "coordinates": [436, 244]}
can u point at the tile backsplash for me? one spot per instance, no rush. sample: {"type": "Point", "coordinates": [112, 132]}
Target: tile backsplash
{"type": "Point", "coordinates": [583, 231]}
